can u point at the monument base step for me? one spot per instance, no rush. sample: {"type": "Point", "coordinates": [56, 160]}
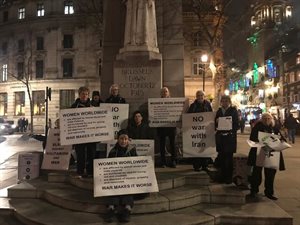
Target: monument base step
{"type": "Point", "coordinates": [264, 212]}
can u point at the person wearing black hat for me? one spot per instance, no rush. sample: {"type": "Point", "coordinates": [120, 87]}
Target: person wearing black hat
{"type": "Point", "coordinates": [96, 99]}
{"type": "Point", "coordinates": [121, 149]}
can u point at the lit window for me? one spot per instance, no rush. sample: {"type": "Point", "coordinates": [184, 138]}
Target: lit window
{"type": "Point", "coordinates": [20, 103]}
{"type": "Point", "coordinates": [38, 102]}
{"type": "Point", "coordinates": [21, 13]}
{"type": "Point", "coordinates": [3, 104]}
{"type": "Point", "coordinates": [288, 11]}
{"type": "Point", "coordinates": [66, 98]}
{"type": "Point", "coordinates": [69, 9]}
{"type": "Point", "coordinates": [198, 67]}
{"type": "Point", "coordinates": [40, 9]}
{"type": "Point", "coordinates": [277, 15]}
{"type": "Point", "coordinates": [4, 73]}
{"type": "Point", "coordinates": [253, 22]}
{"type": "Point", "coordinates": [298, 59]}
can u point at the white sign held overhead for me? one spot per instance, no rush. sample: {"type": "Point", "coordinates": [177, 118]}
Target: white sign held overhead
{"type": "Point", "coordinates": [84, 125]}
{"type": "Point", "coordinates": [166, 112]}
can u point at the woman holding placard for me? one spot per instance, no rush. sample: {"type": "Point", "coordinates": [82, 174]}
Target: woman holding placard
{"type": "Point", "coordinates": [265, 124]}
{"type": "Point", "coordinates": [227, 123]}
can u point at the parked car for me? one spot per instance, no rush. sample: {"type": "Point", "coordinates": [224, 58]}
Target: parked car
{"type": "Point", "coordinates": [7, 127]}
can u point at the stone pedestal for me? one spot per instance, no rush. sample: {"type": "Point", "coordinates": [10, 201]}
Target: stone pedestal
{"type": "Point", "coordinates": [139, 76]}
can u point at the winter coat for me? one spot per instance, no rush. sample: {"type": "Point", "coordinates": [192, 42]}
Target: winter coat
{"type": "Point", "coordinates": [115, 99]}
{"type": "Point", "coordinates": [118, 151]}
{"type": "Point", "coordinates": [143, 131]}
{"type": "Point", "coordinates": [79, 104]}
{"type": "Point", "coordinates": [226, 141]}
{"type": "Point", "coordinates": [259, 126]}
{"type": "Point", "coordinates": [200, 107]}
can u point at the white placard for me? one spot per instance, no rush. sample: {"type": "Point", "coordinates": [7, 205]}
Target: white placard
{"type": "Point", "coordinates": [270, 160]}
{"type": "Point", "coordinates": [225, 123]}
{"type": "Point", "coordinates": [125, 175]}
{"type": "Point", "coordinates": [166, 112]}
{"type": "Point", "coordinates": [198, 131]}
{"type": "Point", "coordinates": [143, 147]}
{"type": "Point", "coordinates": [273, 141]}
{"type": "Point", "coordinates": [28, 166]}
{"type": "Point", "coordinates": [84, 125]}
{"type": "Point", "coordinates": [120, 114]}
{"type": "Point", "coordinates": [56, 156]}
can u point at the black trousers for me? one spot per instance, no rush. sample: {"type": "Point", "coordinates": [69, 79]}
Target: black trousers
{"type": "Point", "coordinates": [85, 156]}
{"type": "Point", "coordinates": [162, 144]}
{"type": "Point", "coordinates": [200, 162]}
{"type": "Point", "coordinates": [226, 166]}
{"type": "Point", "coordinates": [256, 178]}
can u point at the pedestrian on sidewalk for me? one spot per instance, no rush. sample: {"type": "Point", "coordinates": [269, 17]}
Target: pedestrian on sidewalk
{"type": "Point", "coordinates": [200, 105]}
{"type": "Point", "coordinates": [291, 124]}
{"type": "Point", "coordinates": [227, 123]}
{"type": "Point", "coordinates": [122, 203]}
{"type": "Point", "coordinates": [265, 124]}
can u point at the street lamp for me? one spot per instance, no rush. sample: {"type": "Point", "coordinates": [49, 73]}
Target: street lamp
{"type": "Point", "coordinates": [204, 60]}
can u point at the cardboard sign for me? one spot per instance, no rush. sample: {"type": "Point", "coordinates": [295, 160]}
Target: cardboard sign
{"type": "Point", "coordinates": [28, 166]}
{"type": "Point", "coordinates": [198, 131]}
{"type": "Point", "coordinates": [125, 175]}
{"type": "Point", "coordinates": [166, 112]}
{"type": "Point", "coordinates": [84, 125]}
{"type": "Point", "coordinates": [120, 114]}
{"type": "Point", "coordinates": [56, 156]}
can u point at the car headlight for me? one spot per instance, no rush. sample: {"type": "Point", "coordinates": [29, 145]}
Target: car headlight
{"type": "Point", "coordinates": [2, 127]}
{"type": "Point", "coordinates": [13, 126]}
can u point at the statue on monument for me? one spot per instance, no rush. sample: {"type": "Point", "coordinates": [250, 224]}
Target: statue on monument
{"type": "Point", "coordinates": [140, 26]}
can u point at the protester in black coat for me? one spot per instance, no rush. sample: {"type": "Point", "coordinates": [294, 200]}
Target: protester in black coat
{"type": "Point", "coordinates": [200, 105]}
{"type": "Point", "coordinates": [163, 133]}
{"type": "Point", "coordinates": [265, 124]}
{"type": "Point", "coordinates": [226, 139]}
{"type": "Point", "coordinates": [114, 95]}
{"type": "Point", "coordinates": [137, 128]}
{"type": "Point", "coordinates": [84, 161]}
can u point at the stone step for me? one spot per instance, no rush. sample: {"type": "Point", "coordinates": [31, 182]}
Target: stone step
{"type": "Point", "coordinates": [264, 212]}
{"type": "Point", "coordinates": [73, 198]}
{"type": "Point", "coordinates": [166, 178]}
{"type": "Point", "coordinates": [9, 220]}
